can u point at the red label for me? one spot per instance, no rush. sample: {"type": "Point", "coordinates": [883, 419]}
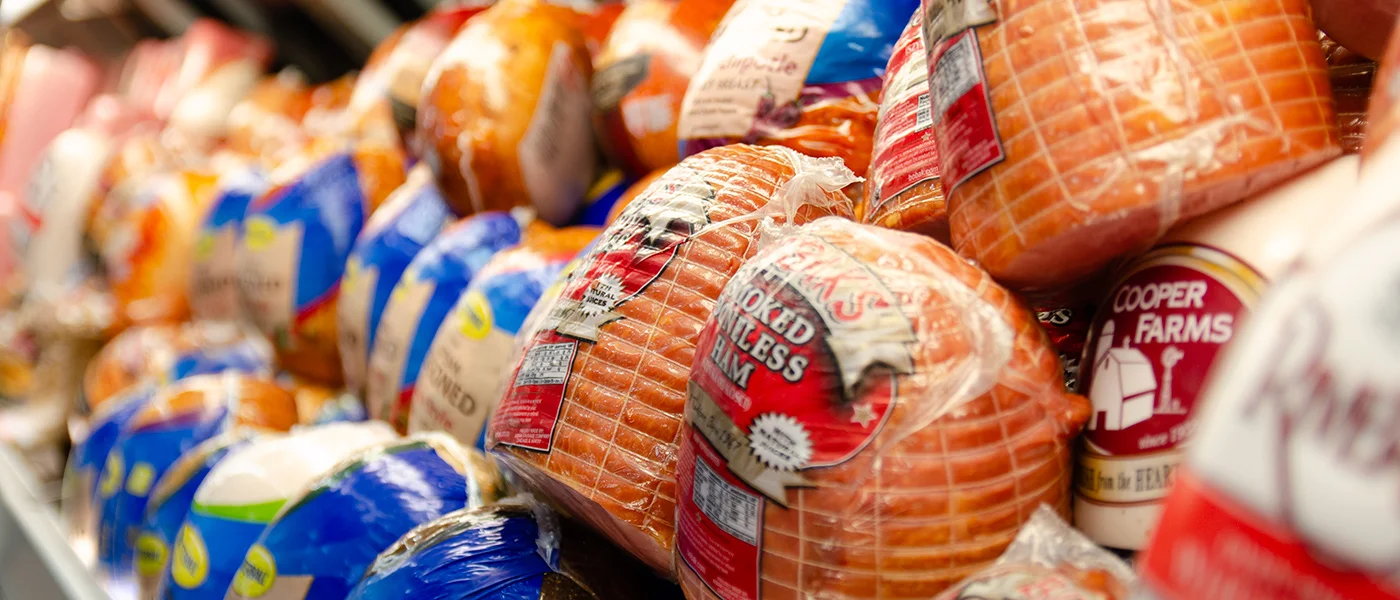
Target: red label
{"type": "Point", "coordinates": [1068, 329]}
{"type": "Point", "coordinates": [1210, 547]}
{"type": "Point", "coordinates": [795, 369]}
{"type": "Point", "coordinates": [905, 152]}
{"type": "Point", "coordinates": [631, 254]}
{"type": "Point", "coordinates": [968, 142]}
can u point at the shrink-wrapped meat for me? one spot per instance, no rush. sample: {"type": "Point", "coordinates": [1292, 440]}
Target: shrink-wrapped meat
{"type": "Point", "coordinates": [1070, 134]}
{"type": "Point", "coordinates": [869, 416]}
{"type": "Point", "coordinates": [591, 412]}
{"type": "Point", "coordinates": [213, 293]}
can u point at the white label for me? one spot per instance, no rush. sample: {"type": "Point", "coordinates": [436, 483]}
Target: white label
{"type": "Point", "coordinates": [352, 320]}
{"type": "Point", "coordinates": [267, 276]}
{"type": "Point", "coordinates": [757, 61]}
{"type": "Point", "coordinates": [734, 510]}
{"type": "Point", "coordinates": [397, 328]}
{"type": "Point", "coordinates": [546, 364]}
{"type": "Point", "coordinates": [214, 279]}
{"type": "Point", "coordinates": [556, 153]}
{"type": "Point", "coordinates": [462, 374]}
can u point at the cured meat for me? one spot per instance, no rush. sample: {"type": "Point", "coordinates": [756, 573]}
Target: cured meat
{"type": "Point", "coordinates": [904, 190]}
{"type": "Point", "coordinates": [267, 123]}
{"type": "Point", "coordinates": [1072, 134]}
{"type": "Point", "coordinates": [213, 275]}
{"type": "Point", "coordinates": [798, 73]}
{"type": "Point", "coordinates": [642, 73]}
{"type": "Point", "coordinates": [591, 412]}
{"type": "Point", "coordinates": [169, 352]}
{"type": "Point", "coordinates": [632, 194]}
{"type": "Point", "coordinates": [870, 416]}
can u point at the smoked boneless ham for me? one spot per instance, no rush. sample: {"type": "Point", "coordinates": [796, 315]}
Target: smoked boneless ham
{"type": "Point", "coordinates": [591, 414]}
{"type": "Point", "coordinates": [869, 416]}
{"type": "Point", "coordinates": [1071, 133]}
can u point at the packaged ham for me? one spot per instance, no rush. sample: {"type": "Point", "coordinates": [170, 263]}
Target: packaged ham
{"type": "Point", "coordinates": [1049, 560]}
{"type": "Point", "coordinates": [1164, 321]}
{"type": "Point", "coordinates": [505, 117]}
{"type": "Point", "coordinates": [904, 190]}
{"type": "Point", "coordinates": [296, 239]}
{"type": "Point", "coordinates": [322, 541]}
{"type": "Point", "coordinates": [141, 155]}
{"type": "Point", "coordinates": [169, 505]}
{"type": "Point", "coordinates": [516, 549]}
{"type": "Point", "coordinates": [801, 74]}
{"type": "Point", "coordinates": [176, 419]}
{"type": "Point", "coordinates": [641, 76]}
{"type": "Point", "coordinates": [244, 492]}
{"type": "Point", "coordinates": [211, 55]}
{"type": "Point", "coordinates": [86, 461]}
{"type": "Point", "coordinates": [466, 363]}
{"type": "Point", "coordinates": [430, 286]}
{"type": "Point", "coordinates": [1069, 136]}
{"type": "Point", "coordinates": [213, 275]}
{"type": "Point", "coordinates": [869, 415]}
{"type": "Point", "coordinates": [1289, 486]}
{"type": "Point", "coordinates": [591, 413]}
{"type": "Point", "coordinates": [632, 194]}
{"type": "Point", "coordinates": [266, 124]}
{"type": "Point", "coordinates": [410, 218]}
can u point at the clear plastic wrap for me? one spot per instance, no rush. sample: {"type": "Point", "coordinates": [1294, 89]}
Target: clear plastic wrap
{"type": "Point", "coordinates": [642, 73]}
{"type": "Point", "coordinates": [296, 240]}
{"type": "Point", "coordinates": [1070, 135]}
{"type": "Point", "coordinates": [466, 363]}
{"type": "Point", "coordinates": [410, 218]}
{"type": "Point", "coordinates": [243, 493]}
{"type": "Point", "coordinates": [802, 74]}
{"type": "Point", "coordinates": [513, 550]}
{"type": "Point", "coordinates": [321, 542]}
{"type": "Point", "coordinates": [869, 416]}
{"type": "Point", "coordinates": [421, 300]}
{"type": "Point", "coordinates": [175, 420]}
{"type": "Point", "coordinates": [1049, 560]}
{"type": "Point", "coordinates": [591, 415]}
{"type": "Point", "coordinates": [267, 123]}
{"type": "Point", "coordinates": [904, 191]}
{"type": "Point", "coordinates": [505, 117]}
{"type": "Point", "coordinates": [632, 194]}
{"type": "Point", "coordinates": [1352, 76]}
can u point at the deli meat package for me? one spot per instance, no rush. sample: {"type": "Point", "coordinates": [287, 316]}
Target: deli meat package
{"type": "Point", "coordinates": [590, 415]}
{"type": "Point", "coordinates": [805, 74]}
{"type": "Point", "coordinates": [1070, 134]}
{"type": "Point", "coordinates": [869, 416]}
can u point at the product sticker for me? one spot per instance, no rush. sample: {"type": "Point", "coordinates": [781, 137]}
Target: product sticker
{"type": "Point", "coordinates": [968, 142]}
{"type": "Point", "coordinates": [824, 339]}
{"type": "Point", "coordinates": [214, 277]}
{"type": "Point", "coordinates": [265, 276]}
{"type": "Point", "coordinates": [905, 153]}
{"type": "Point", "coordinates": [357, 290]}
{"type": "Point", "coordinates": [1151, 347]}
{"type": "Point", "coordinates": [757, 63]}
{"type": "Point", "coordinates": [463, 371]}
{"type": "Point", "coordinates": [397, 329]}
{"type": "Point", "coordinates": [631, 254]}
{"type": "Point", "coordinates": [1291, 485]}
{"type": "Point", "coordinates": [556, 152]}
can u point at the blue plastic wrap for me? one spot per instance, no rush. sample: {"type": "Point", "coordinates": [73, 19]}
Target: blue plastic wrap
{"type": "Point", "coordinates": [214, 272]}
{"type": "Point", "coordinates": [89, 457]}
{"type": "Point", "coordinates": [319, 545]}
{"type": "Point", "coordinates": [860, 43]}
{"type": "Point", "coordinates": [601, 197]}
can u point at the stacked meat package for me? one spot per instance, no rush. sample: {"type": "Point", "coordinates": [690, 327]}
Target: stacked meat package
{"type": "Point", "coordinates": [722, 300]}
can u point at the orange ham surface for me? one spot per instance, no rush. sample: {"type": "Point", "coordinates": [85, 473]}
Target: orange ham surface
{"type": "Point", "coordinates": [610, 457]}
{"type": "Point", "coordinates": [976, 431]}
{"type": "Point", "coordinates": [1120, 118]}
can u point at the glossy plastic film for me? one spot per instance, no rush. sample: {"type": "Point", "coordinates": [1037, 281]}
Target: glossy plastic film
{"type": "Point", "coordinates": [1352, 76]}
{"type": "Point", "coordinates": [213, 292]}
{"type": "Point", "coordinates": [320, 543]}
{"type": "Point", "coordinates": [591, 413]}
{"type": "Point", "coordinates": [869, 416]}
{"type": "Point", "coordinates": [85, 464]}
{"type": "Point", "coordinates": [1049, 559]}
{"type": "Point", "coordinates": [1070, 135]}
{"type": "Point", "coordinates": [801, 74]}
{"type": "Point", "coordinates": [266, 124]}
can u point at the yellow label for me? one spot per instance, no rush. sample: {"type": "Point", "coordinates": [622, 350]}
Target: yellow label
{"type": "Point", "coordinates": [258, 573]}
{"type": "Point", "coordinates": [190, 564]}
{"type": "Point", "coordinates": [476, 316]}
{"type": "Point", "coordinates": [258, 232]}
{"type": "Point", "coordinates": [138, 483]}
{"type": "Point", "coordinates": [151, 554]}
{"type": "Point", "coordinates": [112, 475]}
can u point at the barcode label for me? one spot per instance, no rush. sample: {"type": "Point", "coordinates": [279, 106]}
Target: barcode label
{"type": "Point", "coordinates": [955, 74]}
{"type": "Point", "coordinates": [923, 117]}
{"type": "Point", "coordinates": [733, 509]}
{"type": "Point", "coordinates": [547, 364]}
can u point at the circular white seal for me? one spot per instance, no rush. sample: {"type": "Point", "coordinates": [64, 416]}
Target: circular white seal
{"type": "Point", "coordinates": [780, 442]}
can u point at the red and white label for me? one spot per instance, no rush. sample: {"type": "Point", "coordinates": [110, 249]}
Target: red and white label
{"type": "Point", "coordinates": [968, 141]}
{"type": "Point", "coordinates": [556, 153]}
{"type": "Point", "coordinates": [781, 385]}
{"type": "Point", "coordinates": [632, 253]}
{"type": "Point", "coordinates": [1152, 344]}
{"type": "Point", "coordinates": [905, 152]}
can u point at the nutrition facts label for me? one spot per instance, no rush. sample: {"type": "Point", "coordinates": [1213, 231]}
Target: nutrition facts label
{"type": "Point", "coordinates": [546, 365]}
{"type": "Point", "coordinates": [733, 509]}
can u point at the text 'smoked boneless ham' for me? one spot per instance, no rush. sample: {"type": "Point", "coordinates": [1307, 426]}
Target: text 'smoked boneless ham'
{"type": "Point", "coordinates": [1070, 133]}
{"type": "Point", "coordinates": [590, 415]}
{"type": "Point", "coordinates": [869, 416]}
